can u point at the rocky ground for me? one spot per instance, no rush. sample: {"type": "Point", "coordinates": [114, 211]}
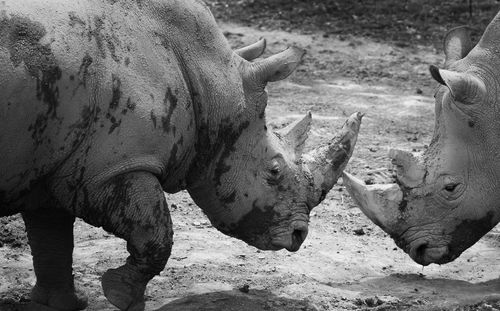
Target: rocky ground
{"type": "Point", "coordinates": [346, 263]}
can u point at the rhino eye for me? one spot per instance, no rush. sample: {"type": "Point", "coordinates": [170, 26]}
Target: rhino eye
{"type": "Point", "coordinates": [275, 170]}
{"type": "Point", "coordinates": [451, 187]}
{"type": "Point", "coordinates": [274, 175]}
{"type": "Point", "coordinates": [452, 191]}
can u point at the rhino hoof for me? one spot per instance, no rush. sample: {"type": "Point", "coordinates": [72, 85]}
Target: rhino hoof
{"type": "Point", "coordinates": [124, 287]}
{"type": "Point", "coordinates": [67, 299]}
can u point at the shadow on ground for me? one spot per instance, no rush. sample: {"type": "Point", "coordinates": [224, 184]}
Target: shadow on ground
{"type": "Point", "coordinates": [235, 300]}
{"type": "Point", "coordinates": [413, 290]}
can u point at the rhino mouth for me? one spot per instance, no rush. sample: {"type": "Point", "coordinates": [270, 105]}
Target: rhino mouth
{"type": "Point", "coordinates": [424, 254]}
{"type": "Point", "coordinates": [293, 239]}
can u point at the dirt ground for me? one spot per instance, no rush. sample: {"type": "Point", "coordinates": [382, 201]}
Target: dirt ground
{"type": "Point", "coordinates": [346, 263]}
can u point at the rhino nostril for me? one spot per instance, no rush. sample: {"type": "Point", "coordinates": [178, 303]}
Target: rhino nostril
{"type": "Point", "coordinates": [420, 251]}
{"type": "Point", "coordinates": [298, 236]}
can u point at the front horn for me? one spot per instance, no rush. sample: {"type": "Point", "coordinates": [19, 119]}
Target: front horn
{"type": "Point", "coordinates": [326, 163]}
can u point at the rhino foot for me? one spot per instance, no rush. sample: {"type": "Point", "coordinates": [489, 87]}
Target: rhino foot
{"type": "Point", "coordinates": [60, 299]}
{"type": "Point", "coordinates": [124, 287]}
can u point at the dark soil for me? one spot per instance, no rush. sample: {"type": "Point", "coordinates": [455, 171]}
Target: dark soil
{"type": "Point", "coordinates": [406, 23]}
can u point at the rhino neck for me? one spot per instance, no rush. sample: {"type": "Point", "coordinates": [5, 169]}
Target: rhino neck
{"type": "Point", "coordinates": [209, 69]}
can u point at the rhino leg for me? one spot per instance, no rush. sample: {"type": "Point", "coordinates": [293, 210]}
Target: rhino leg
{"type": "Point", "coordinates": [133, 206]}
{"type": "Point", "coordinates": [50, 236]}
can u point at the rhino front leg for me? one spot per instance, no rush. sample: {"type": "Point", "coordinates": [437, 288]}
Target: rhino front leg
{"type": "Point", "coordinates": [50, 235]}
{"type": "Point", "coordinates": [133, 206]}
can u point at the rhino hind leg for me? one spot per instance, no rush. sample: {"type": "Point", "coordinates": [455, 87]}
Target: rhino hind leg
{"type": "Point", "coordinates": [133, 207]}
{"type": "Point", "coordinates": [50, 236]}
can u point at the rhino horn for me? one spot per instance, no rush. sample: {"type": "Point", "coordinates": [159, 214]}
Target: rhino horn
{"type": "Point", "coordinates": [296, 133]}
{"type": "Point", "coordinates": [252, 51]}
{"type": "Point", "coordinates": [457, 44]}
{"type": "Point", "coordinates": [464, 87]}
{"type": "Point", "coordinates": [379, 202]}
{"type": "Point", "coordinates": [277, 67]}
{"type": "Point", "coordinates": [326, 163]}
{"type": "Point", "coordinates": [410, 169]}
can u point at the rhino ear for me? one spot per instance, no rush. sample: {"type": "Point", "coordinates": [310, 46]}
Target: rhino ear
{"type": "Point", "coordinates": [252, 51]}
{"type": "Point", "coordinates": [296, 133]}
{"type": "Point", "coordinates": [457, 44]}
{"type": "Point", "coordinates": [464, 87]}
{"type": "Point", "coordinates": [279, 66]}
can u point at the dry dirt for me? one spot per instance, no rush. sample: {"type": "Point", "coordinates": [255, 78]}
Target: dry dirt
{"type": "Point", "coordinates": [346, 263]}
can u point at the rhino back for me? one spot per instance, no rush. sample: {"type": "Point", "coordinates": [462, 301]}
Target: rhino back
{"type": "Point", "coordinates": [87, 87]}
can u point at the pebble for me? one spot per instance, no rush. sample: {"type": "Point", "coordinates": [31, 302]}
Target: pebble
{"type": "Point", "coordinates": [359, 231]}
{"type": "Point", "coordinates": [244, 289]}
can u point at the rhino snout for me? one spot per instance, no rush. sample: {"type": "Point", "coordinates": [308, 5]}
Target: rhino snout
{"type": "Point", "coordinates": [424, 254]}
{"type": "Point", "coordinates": [293, 238]}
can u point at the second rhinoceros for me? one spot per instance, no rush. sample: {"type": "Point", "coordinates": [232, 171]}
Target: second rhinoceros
{"type": "Point", "coordinates": [107, 104]}
{"type": "Point", "coordinates": [446, 199]}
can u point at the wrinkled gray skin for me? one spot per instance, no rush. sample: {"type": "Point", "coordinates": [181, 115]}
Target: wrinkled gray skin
{"type": "Point", "coordinates": [107, 104]}
{"type": "Point", "coordinates": [448, 197]}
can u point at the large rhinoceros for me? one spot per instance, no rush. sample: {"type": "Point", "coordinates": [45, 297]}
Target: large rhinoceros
{"type": "Point", "coordinates": [448, 197]}
{"type": "Point", "coordinates": [106, 104]}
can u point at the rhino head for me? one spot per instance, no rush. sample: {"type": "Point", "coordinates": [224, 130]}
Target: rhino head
{"type": "Point", "coordinates": [259, 186]}
{"type": "Point", "coordinates": [447, 198]}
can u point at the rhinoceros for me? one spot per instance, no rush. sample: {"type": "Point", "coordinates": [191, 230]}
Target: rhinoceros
{"type": "Point", "coordinates": [446, 198]}
{"type": "Point", "coordinates": [107, 104]}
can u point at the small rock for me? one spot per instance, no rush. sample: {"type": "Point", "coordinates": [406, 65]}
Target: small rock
{"type": "Point", "coordinates": [244, 289]}
{"type": "Point", "coordinates": [389, 299]}
{"type": "Point", "coordinates": [418, 302]}
{"type": "Point", "coordinates": [369, 181]}
{"type": "Point", "coordinates": [359, 231]}
{"type": "Point", "coordinates": [419, 91]}
{"type": "Point", "coordinates": [373, 301]}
